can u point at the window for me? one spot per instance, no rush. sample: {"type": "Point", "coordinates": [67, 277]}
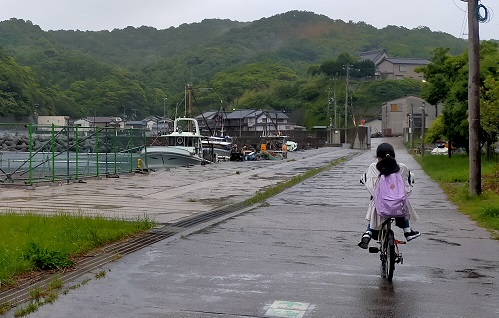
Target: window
{"type": "Point", "coordinates": [418, 121]}
{"type": "Point", "coordinates": [402, 68]}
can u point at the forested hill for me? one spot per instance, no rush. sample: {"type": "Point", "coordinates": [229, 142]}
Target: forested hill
{"type": "Point", "coordinates": [82, 73]}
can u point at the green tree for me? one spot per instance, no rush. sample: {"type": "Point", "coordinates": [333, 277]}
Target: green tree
{"type": "Point", "coordinates": [435, 131]}
{"type": "Point", "coordinates": [447, 83]}
{"type": "Point", "coordinates": [489, 112]}
{"type": "Point", "coordinates": [18, 90]}
{"type": "Point", "coordinates": [337, 67]}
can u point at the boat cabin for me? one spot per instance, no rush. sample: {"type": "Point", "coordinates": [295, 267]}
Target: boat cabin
{"type": "Point", "coordinates": [183, 141]}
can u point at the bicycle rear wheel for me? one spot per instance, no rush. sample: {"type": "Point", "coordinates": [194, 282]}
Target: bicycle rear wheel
{"type": "Point", "coordinates": [390, 255]}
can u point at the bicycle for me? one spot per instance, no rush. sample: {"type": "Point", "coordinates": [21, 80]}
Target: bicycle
{"type": "Point", "coordinates": [389, 253]}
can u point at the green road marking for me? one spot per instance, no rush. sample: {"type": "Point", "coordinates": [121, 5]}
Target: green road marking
{"type": "Point", "coordinates": [284, 313]}
{"type": "Point", "coordinates": [291, 305]}
{"type": "Point", "coordinates": [284, 308]}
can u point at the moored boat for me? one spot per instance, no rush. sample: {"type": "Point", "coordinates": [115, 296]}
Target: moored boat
{"type": "Point", "coordinates": [220, 146]}
{"type": "Point", "coordinates": [183, 147]}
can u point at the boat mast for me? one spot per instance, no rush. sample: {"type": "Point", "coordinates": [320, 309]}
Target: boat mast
{"type": "Point", "coordinates": [222, 121]}
{"type": "Point", "coordinates": [189, 89]}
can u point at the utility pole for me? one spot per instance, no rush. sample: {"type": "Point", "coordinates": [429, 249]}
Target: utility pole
{"type": "Point", "coordinates": [351, 107]}
{"type": "Point", "coordinates": [475, 186]}
{"type": "Point", "coordinates": [347, 67]}
{"type": "Point", "coordinates": [335, 111]}
{"type": "Point", "coordinates": [35, 112]}
{"type": "Point", "coordinates": [335, 106]}
{"type": "Point", "coordinates": [164, 107]}
{"type": "Point", "coordinates": [328, 117]}
{"type": "Point", "coordinates": [423, 127]}
{"type": "Point", "coordinates": [412, 126]}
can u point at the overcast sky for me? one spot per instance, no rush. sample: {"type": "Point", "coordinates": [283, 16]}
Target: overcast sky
{"type": "Point", "coordinates": [439, 15]}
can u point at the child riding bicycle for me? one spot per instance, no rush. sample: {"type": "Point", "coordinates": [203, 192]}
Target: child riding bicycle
{"type": "Point", "coordinates": [386, 165]}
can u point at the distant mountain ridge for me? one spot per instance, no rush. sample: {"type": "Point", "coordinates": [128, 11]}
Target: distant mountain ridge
{"type": "Point", "coordinates": [150, 63]}
{"type": "Point", "coordinates": [283, 31]}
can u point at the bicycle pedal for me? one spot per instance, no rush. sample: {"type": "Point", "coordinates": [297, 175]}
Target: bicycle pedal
{"type": "Point", "coordinates": [373, 249]}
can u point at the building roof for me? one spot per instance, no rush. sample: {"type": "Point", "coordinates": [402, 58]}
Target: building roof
{"type": "Point", "coordinates": [152, 118]}
{"type": "Point", "coordinates": [272, 114]}
{"type": "Point", "coordinates": [81, 120]}
{"type": "Point", "coordinates": [241, 113]}
{"type": "Point", "coordinates": [375, 55]}
{"type": "Point", "coordinates": [135, 123]}
{"type": "Point", "coordinates": [93, 119]}
{"type": "Point", "coordinates": [412, 61]}
{"type": "Point", "coordinates": [207, 115]}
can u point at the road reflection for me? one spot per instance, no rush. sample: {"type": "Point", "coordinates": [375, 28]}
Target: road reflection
{"type": "Point", "coordinates": [384, 299]}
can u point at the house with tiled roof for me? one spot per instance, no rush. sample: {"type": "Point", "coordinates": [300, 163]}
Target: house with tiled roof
{"type": "Point", "coordinates": [394, 67]}
{"type": "Point", "coordinates": [248, 122]}
{"type": "Point", "coordinates": [376, 56]}
{"type": "Point", "coordinates": [98, 121]}
{"type": "Point", "coordinates": [212, 122]}
{"type": "Point", "coordinates": [400, 68]}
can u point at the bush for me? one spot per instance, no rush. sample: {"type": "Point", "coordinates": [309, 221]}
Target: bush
{"type": "Point", "coordinates": [44, 258]}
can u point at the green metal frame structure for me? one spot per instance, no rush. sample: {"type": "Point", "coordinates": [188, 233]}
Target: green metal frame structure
{"type": "Point", "coordinates": [31, 154]}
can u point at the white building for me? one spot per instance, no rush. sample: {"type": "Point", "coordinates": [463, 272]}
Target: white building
{"type": "Point", "coordinates": [45, 122]}
{"type": "Point", "coordinates": [400, 117]}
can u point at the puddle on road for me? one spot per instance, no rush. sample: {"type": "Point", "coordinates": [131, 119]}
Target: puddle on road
{"type": "Point", "coordinates": [444, 241]}
{"type": "Point", "coordinates": [470, 273]}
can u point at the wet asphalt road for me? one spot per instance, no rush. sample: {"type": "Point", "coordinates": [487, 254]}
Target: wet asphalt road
{"type": "Point", "coordinates": [300, 248]}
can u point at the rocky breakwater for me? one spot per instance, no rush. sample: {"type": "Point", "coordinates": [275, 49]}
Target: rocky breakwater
{"type": "Point", "coordinates": [20, 143]}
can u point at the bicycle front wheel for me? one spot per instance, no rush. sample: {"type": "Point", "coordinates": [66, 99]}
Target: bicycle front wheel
{"type": "Point", "coordinates": [390, 255]}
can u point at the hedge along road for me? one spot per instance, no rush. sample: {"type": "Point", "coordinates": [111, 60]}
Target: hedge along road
{"type": "Point", "coordinates": [297, 256]}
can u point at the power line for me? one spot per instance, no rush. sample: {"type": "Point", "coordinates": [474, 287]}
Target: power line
{"type": "Point", "coordinates": [458, 6]}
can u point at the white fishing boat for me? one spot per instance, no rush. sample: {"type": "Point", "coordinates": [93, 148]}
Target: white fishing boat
{"type": "Point", "coordinates": [220, 146]}
{"type": "Point", "coordinates": [183, 147]}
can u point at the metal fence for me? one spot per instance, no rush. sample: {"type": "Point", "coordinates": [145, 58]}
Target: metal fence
{"type": "Point", "coordinates": [39, 153]}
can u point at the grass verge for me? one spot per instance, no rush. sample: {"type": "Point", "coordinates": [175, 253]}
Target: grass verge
{"type": "Point", "coordinates": [452, 174]}
{"type": "Point", "coordinates": [267, 193]}
{"type": "Point", "coordinates": [30, 242]}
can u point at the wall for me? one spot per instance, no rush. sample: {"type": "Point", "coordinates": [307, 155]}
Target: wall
{"type": "Point", "coordinates": [390, 70]}
{"type": "Point", "coordinates": [47, 121]}
{"type": "Point", "coordinates": [397, 114]}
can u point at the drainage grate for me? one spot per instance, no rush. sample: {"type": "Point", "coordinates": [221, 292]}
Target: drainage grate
{"type": "Point", "coordinates": [208, 216]}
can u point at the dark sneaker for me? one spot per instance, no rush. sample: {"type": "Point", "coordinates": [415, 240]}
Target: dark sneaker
{"type": "Point", "coordinates": [411, 235]}
{"type": "Point", "coordinates": [364, 241]}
